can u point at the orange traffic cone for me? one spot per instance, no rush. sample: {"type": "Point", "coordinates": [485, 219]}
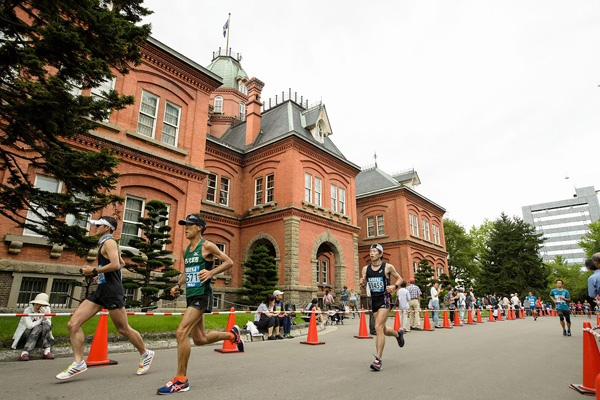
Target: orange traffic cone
{"type": "Point", "coordinates": [456, 319]}
{"type": "Point", "coordinates": [228, 345]}
{"type": "Point", "coordinates": [446, 320]}
{"type": "Point", "coordinates": [98, 355]}
{"type": "Point", "coordinates": [597, 319]}
{"type": "Point", "coordinates": [470, 318]}
{"type": "Point", "coordinates": [313, 338]}
{"type": "Point", "coordinates": [492, 315]}
{"type": "Point", "coordinates": [397, 324]}
{"type": "Point", "coordinates": [591, 363]}
{"type": "Point", "coordinates": [499, 315]}
{"type": "Point", "coordinates": [479, 320]}
{"type": "Point", "coordinates": [363, 333]}
{"type": "Point", "coordinates": [426, 323]}
{"type": "Point", "coordinates": [598, 387]}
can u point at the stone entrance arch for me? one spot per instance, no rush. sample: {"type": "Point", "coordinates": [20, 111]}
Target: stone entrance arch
{"type": "Point", "coordinates": [268, 240]}
{"type": "Point", "coordinates": [339, 266]}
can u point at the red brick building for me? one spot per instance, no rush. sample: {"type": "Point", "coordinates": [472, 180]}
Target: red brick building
{"type": "Point", "coordinates": [408, 225]}
{"type": "Point", "coordinates": [200, 139]}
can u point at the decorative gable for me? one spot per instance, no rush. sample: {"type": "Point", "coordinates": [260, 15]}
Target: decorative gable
{"type": "Point", "coordinates": [316, 121]}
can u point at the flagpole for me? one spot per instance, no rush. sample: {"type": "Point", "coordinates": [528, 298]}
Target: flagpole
{"type": "Point", "coordinates": [228, 29]}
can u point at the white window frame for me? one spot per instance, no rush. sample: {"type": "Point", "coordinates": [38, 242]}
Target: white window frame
{"type": "Point", "coordinates": [30, 214]}
{"type": "Point", "coordinates": [165, 123]}
{"type": "Point", "coordinates": [334, 205]}
{"type": "Point", "coordinates": [214, 188]}
{"type": "Point", "coordinates": [426, 234]}
{"type": "Point", "coordinates": [415, 267]}
{"type": "Point", "coordinates": [154, 117]}
{"type": "Point", "coordinates": [106, 85]}
{"type": "Point", "coordinates": [380, 221]}
{"type": "Point", "coordinates": [242, 111]}
{"type": "Point", "coordinates": [139, 231]}
{"type": "Point", "coordinates": [224, 193]}
{"type": "Point", "coordinates": [258, 191]}
{"type": "Point", "coordinates": [318, 191]}
{"type": "Point", "coordinates": [414, 224]}
{"type": "Point", "coordinates": [218, 104]}
{"type": "Point", "coordinates": [242, 87]}
{"type": "Point", "coordinates": [217, 299]}
{"type": "Point", "coordinates": [342, 200]}
{"type": "Point", "coordinates": [270, 188]}
{"type": "Point", "coordinates": [318, 271]}
{"type": "Point", "coordinates": [370, 226]}
{"type": "Point", "coordinates": [223, 248]}
{"type": "Point", "coordinates": [324, 271]}
{"type": "Point", "coordinates": [308, 187]}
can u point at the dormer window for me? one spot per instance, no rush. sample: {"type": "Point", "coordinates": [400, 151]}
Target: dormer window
{"type": "Point", "coordinates": [218, 104]}
{"type": "Point", "coordinates": [242, 88]}
{"type": "Point", "coordinates": [320, 131]}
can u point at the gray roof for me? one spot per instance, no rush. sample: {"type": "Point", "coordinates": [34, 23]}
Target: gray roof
{"type": "Point", "coordinates": [374, 180]}
{"type": "Point", "coordinates": [279, 122]}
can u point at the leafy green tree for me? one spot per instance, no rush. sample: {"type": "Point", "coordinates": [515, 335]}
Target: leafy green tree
{"type": "Point", "coordinates": [445, 281]}
{"type": "Point", "coordinates": [48, 49]}
{"type": "Point", "coordinates": [590, 242]}
{"type": "Point", "coordinates": [423, 278]}
{"type": "Point", "coordinates": [151, 261]}
{"type": "Point", "coordinates": [460, 246]}
{"type": "Point", "coordinates": [511, 260]}
{"type": "Point", "coordinates": [260, 277]}
{"type": "Point", "coordinates": [573, 277]}
{"type": "Point", "coordinates": [480, 236]}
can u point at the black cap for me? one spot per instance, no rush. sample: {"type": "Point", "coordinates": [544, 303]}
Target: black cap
{"type": "Point", "coordinates": [193, 220]}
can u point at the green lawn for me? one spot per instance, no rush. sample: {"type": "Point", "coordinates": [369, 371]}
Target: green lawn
{"type": "Point", "coordinates": [141, 323]}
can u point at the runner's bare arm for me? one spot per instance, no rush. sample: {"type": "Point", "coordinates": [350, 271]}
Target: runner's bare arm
{"type": "Point", "coordinates": [110, 250]}
{"type": "Point", "coordinates": [363, 278]}
{"type": "Point", "coordinates": [226, 262]}
{"type": "Point", "coordinates": [391, 270]}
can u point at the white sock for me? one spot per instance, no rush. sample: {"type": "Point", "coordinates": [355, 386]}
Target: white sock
{"type": "Point", "coordinates": [145, 354]}
{"type": "Point", "coordinates": [46, 350]}
{"type": "Point", "coordinates": [78, 363]}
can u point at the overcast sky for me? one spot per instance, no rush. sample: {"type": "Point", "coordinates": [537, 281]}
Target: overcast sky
{"type": "Point", "coordinates": [494, 103]}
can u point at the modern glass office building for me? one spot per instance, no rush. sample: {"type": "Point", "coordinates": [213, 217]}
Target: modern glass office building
{"type": "Point", "coordinates": [563, 222]}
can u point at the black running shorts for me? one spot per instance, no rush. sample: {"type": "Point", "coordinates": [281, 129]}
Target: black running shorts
{"type": "Point", "coordinates": [564, 314]}
{"type": "Point", "coordinates": [110, 301]}
{"type": "Point", "coordinates": [201, 302]}
{"type": "Point", "coordinates": [379, 302]}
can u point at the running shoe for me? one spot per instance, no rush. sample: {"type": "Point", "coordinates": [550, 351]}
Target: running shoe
{"type": "Point", "coordinates": [568, 333]}
{"type": "Point", "coordinates": [278, 337]}
{"type": "Point", "coordinates": [237, 338]}
{"type": "Point", "coordinates": [145, 363]}
{"type": "Point", "coordinates": [24, 357]}
{"type": "Point", "coordinates": [71, 371]}
{"type": "Point", "coordinates": [288, 336]}
{"type": "Point", "coordinates": [400, 337]}
{"type": "Point", "coordinates": [564, 333]}
{"type": "Point", "coordinates": [376, 365]}
{"type": "Point", "coordinates": [174, 386]}
{"type": "Point", "coordinates": [48, 356]}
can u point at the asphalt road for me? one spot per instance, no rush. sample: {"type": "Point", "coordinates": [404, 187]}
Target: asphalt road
{"type": "Point", "coordinates": [519, 359]}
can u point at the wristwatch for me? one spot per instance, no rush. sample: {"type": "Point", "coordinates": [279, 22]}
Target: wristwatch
{"type": "Point", "coordinates": [94, 272]}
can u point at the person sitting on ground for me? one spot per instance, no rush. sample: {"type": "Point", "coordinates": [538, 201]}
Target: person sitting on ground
{"type": "Point", "coordinates": [312, 306]}
{"type": "Point", "coordinates": [31, 329]}
{"type": "Point", "coordinates": [283, 317]}
{"type": "Point", "coordinates": [266, 318]}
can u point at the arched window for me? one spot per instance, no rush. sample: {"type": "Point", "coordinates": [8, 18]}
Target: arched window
{"type": "Point", "coordinates": [219, 104]}
{"type": "Point", "coordinates": [242, 111]}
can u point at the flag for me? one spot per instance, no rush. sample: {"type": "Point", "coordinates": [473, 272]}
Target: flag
{"type": "Point", "coordinates": [225, 27]}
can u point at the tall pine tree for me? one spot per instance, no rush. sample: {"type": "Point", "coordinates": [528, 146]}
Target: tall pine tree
{"type": "Point", "coordinates": [260, 277]}
{"type": "Point", "coordinates": [511, 260]}
{"type": "Point", "coordinates": [48, 49]}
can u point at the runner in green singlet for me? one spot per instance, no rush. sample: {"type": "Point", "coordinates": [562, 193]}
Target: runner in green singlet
{"type": "Point", "coordinates": [198, 261]}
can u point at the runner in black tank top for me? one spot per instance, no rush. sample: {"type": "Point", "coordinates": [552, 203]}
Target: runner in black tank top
{"type": "Point", "coordinates": [108, 295]}
{"type": "Point", "coordinates": [376, 277]}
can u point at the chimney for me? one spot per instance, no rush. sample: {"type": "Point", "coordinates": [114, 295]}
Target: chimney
{"type": "Point", "coordinates": [253, 106]}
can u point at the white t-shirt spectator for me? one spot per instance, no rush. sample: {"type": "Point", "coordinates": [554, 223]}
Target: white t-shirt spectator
{"type": "Point", "coordinates": [515, 301]}
{"type": "Point", "coordinates": [434, 293]}
{"type": "Point", "coordinates": [403, 298]}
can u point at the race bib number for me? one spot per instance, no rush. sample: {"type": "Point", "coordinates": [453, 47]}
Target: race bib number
{"type": "Point", "coordinates": [376, 284]}
{"type": "Point", "coordinates": [101, 278]}
{"type": "Point", "coordinates": [191, 276]}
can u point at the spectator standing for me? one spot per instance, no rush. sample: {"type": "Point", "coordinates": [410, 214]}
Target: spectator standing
{"type": "Point", "coordinates": [344, 296]}
{"type": "Point", "coordinates": [461, 304]}
{"type": "Point", "coordinates": [327, 300]}
{"type": "Point", "coordinates": [435, 304]}
{"type": "Point", "coordinates": [516, 302]}
{"type": "Point", "coordinates": [593, 265]}
{"type": "Point", "coordinates": [353, 302]}
{"type": "Point", "coordinates": [284, 318]}
{"type": "Point", "coordinates": [450, 302]}
{"type": "Point", "coordinates": [31, 329]}
{"type": "Point", "coordinates": [414, 305]}
{"type": "Point", "coordinates": [403, 300]}
{"type": "Point", "coordinates": [267, 318]}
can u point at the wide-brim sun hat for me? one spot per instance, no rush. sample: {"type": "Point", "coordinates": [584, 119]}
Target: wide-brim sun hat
{"type": "Point", "coordinates": [42, 299]}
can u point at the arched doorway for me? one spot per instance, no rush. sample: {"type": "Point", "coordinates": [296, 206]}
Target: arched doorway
{"type": "Point", "coordinates": [328, 266]}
